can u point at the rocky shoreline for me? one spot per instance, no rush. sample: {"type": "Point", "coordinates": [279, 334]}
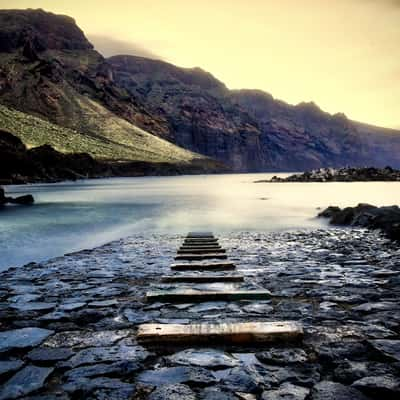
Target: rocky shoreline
{"type": "Point", "coordinates": [387, 219]}
{"type": "Point", "coordinates": [370, 174]}
{"type": "Point", "coordinates": [68, 326]}
{"type": "Point", "coordinates": [19, 165]}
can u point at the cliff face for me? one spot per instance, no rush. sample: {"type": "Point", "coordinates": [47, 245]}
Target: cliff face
{"type": "Point", "coordinates": [49, 69]}
{"type": "Point", "coordinates": [248, 129]}
{"type": "Point", "coordinates": [200, 115]}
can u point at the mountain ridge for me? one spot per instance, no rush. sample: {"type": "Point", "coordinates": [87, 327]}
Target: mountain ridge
{"type": "Point", "coordinates": [49, 69]}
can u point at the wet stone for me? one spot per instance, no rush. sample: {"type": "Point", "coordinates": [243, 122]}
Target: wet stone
{"type": "Point", "coordinates": [100, 389]}
{"type": "Point", "coordinates": [208, 358]}
{"type": "Point", "coordinates": [387, 348]}
{"type": "Point", "coordinates": [280, 356]}
{"type": "Point", "coordinates": [48, 354]}
{"type": "Point", "coordinates": [25, 381]}
{"type": "Point", "coordinates": [287, 391]}
{"type": "Point", "coordinates": [71, 306]}
{"type": "Point", "coordinates": [382, 386]}
{"type": "Point", "coordinates": [242, 380]}
{"type": "Point", "coordinates": [326, 390]}
{"type": "Point", "coordinates": [7, 367]}
{"type": "Point", "coordinates": [95, 355]}
{"type": "Point", "coordinates": [79, 339]}
{"type": "Point", "coordinates": [103, 303]}
{"type": "Point", "coordinates": [22, 338]}
{"type": "Point", "coordinates": [34, 306]}
{"type": "Point", "coordinates": [188, 375]}
{"type": "Point", "coordinates": [172, 392]}
{"type": "Point", "coordinates": [214, 393]}
{"type": "Point", "coordinates": [120, 369]}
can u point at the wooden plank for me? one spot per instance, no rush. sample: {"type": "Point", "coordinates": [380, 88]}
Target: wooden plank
{"type": "Point", "coordinates": [233, 333]}
{"type": "Point", "coordinates": [195, 296]}
{"type": "Point", "coordinates": [200, 242]}
{"type": "Point", "coordinates": [201, 256]}
{"type": "Point", "coordinates": [200, 251]}
{"type": "Point", "coordinates": [202, 278]}
{"type": "Point", "coordinates": [200, 245]}
{"type": "Point", "coordinates": [216, 266]}
{"type": "Point", "coordinates": [200, 235]}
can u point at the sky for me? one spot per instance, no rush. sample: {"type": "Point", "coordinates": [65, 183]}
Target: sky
{"type": "Point", "coordinates": [344, 55]}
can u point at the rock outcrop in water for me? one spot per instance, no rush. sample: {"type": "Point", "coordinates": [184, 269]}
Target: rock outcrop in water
{"type": "Point", "coordinates": [386, 174]}
{"type": "Point", "coordinates": [23, 200]}
{"type": "Point", "coordinates": [387, 219]}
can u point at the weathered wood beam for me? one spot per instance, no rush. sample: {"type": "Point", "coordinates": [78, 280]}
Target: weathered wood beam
{"type": "Point", "coordinates": [196, 296]}
{"type": "Point", "coordinates": [213, 266]}
{"type": "Point", "coordinates": [202, 278]}
{"type": "Point", "coordinates": [234, 333]}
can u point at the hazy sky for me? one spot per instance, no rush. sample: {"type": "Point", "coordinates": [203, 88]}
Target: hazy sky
{"type": "Point", "coordinates": [342, 54]}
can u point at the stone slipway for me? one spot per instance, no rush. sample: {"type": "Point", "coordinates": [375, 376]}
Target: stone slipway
{"type": "Point", "coordinates": [83, 310]}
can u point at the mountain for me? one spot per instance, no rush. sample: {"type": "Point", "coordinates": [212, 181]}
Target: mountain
{"type": "Point", "coordinates": [56, 89]}
{"type": "Point", "coordinates": [248, 129]}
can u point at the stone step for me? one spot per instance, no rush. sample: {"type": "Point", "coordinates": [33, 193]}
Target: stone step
{"type": "Point", "coordinates": [198, 296]}
{"type": "Point", "coordinates": [216, 266]}
{"type": "Point", "coordinates": [207, 250]}
{"type": "Point", "coordinates": [207, 256]}
{"type": "Point", "coordinates": [234, 333]}
{"type": "Point", "coordinates": [202, 278]}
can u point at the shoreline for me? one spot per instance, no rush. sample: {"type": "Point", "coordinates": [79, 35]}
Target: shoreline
{"type": "Point", "coordinates": [341, 284]}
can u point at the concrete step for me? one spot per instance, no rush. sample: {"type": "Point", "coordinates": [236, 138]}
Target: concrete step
{"type": "Point", "coordinates": [213, 266]}
{"type": "Point", "coordinates": [233, 333]}
{"type": "Point", "coordinates": [202, 278]}
{"type": "Point", "coordinates": [198, 296]}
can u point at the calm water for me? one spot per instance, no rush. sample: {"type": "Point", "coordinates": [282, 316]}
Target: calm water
{"type": "Point", "coordinates": [72, 216]}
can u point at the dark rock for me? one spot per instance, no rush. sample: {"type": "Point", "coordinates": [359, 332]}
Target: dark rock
{"type": "Point", "coordinates": [349, 371]}
{"type": "Point", "coordinates": [280, 356]}
{"type": "Point", "coordinates": [326, 390]}
{"type": "Point", "coordinates": [34, 306]}
{"type": "Point", "coordinates": [106, 354]}
{"type": "Point", "coordinates": [117, 369]}
{"type": "Point", "coordinates": [7, 367]}
{"type": "Point", "coordinates": [166, 376]}
{"type": "Point", "coordinates": [22, 338]}
{"type": "Point", "coordinates": [242, 380]}
{"type": "Point", "coordinates": [287, 391]}
{"type": "Point", "coordinates": [27, 380]}
{"type": "Point", "coordinates": [383, 386]}
{"type": "Point", "coordinates": [214, 393]}
{"type": "Point", "coordinates": [49, 354]}
{"type": "Point", "coordinates": [24, 200]}
{"type": "Point", "coordinates": [172, 392]}
{"type": "Point", "coordinates": [388, 349]}
{"type": "Point", "coordinates": [386, 219]}
{"type": "Point", "coordinates": [208, 358]}
{"type": "Point", "coordinates": [100, 388]}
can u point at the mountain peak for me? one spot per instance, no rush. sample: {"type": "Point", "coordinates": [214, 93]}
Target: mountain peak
{"type": "Point", "coordinates": [40, 29]}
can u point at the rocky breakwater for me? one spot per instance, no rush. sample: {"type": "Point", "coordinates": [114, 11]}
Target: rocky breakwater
{"type": "Point", "coordinates": [25, 200]}
{"type": "Point", "coordinates": [68, 326]}
{"type": "Point", "coordinates": [387, 219]}
{"type": "Point", "coordinates": [341, 175]}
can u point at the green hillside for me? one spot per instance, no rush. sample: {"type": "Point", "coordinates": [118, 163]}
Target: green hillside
{"type": "Point", "coordinates": [116, 139]}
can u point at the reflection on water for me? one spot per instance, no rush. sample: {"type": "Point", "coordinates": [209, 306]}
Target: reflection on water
{"type": "Point", "coordinates": [73, 216]}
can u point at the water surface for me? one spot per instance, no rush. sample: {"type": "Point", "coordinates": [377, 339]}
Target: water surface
{"type": "Point", "coordinates": [76, 215]}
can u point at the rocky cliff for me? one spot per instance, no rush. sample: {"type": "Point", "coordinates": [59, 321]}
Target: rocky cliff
{"type": "Point", "coordinates": [50, 73]}
{"type": "Point", "coordinates": [150, 111]}
{"type": "Point", "coordinates": [249, 129]}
